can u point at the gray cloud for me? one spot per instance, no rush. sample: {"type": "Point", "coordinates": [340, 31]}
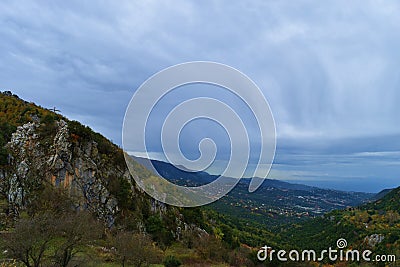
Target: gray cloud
{"type": "Point", "coordinates": [330, 70]}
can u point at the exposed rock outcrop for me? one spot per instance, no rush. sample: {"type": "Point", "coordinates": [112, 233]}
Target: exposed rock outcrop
{"type": "Point", "coordinates": [75, 166]}
{"type": "Point", "coordinates": [374, 239]}
{"type": "Point", "coordinates": [40, 149]}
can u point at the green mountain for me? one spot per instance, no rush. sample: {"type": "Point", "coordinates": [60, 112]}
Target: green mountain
{"type": "Point", "coordinates": [381, 194]}
{"type": "Point", "coordinates": [374, 226]}
{"type": "Point", "coordinates": [387, 200]}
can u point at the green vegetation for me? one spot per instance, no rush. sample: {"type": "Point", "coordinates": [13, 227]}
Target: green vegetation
{"type": "Point", "coordinates": [135, 249]}
{"type": "Point", "coordinates": [172, 261]}
{"type": "Point", "coordinates": [51, 232]}
{"type": "Point", "coordinates": [16, 112]}
{"type": "Point", "coordinates": [390, 202]}
{"type": "Point", "coordinates": [6, 129]}
{"type": "Point", "coordinates": [356, 225]}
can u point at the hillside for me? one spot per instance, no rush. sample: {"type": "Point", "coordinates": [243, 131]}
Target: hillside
{"type": "Point", "coordinates": [387, 200]}
{"type": "Point", "coordinates": [381, 194]}
{"type": "Point", "coordinates": [40, 146]}
{"type": "Point", "coordinates": [274, 204]}
{"type": "Point", "coordinates": [374, 226]}
{"type": "Point", "coordinates": [67, 199]}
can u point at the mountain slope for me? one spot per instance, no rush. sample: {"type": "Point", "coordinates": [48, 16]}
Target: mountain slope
{"type": "Point", "coordinates": [386, 200]}
{"type": "Point", "coordinates": [374, 226]}
{"type": "Point", "coordinates": [274, 203]}
{"type": "Point", "coordinates": [40, 148]}
{"type": "Point", "coordinates": [381, 194]}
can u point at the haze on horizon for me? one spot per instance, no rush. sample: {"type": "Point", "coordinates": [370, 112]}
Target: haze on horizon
{"type": "Point", "coordinates": [330, 71]}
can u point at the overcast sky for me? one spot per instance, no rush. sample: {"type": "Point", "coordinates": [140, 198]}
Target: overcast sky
{"type": "Point", "coordinates": [330, 71]}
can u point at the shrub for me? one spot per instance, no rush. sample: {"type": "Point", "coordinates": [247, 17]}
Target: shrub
{"type": "Point", "coordinates": [171, 261]}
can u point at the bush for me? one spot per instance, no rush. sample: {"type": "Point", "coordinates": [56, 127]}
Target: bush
{"type": "Point", "coordinates": [171, 261]}
{"type": "Point", "coordinates": [158, 229]}
{"type": "Point", "coordinates": [47, 129]}
{"type": "Point", "coordinates": [80, 130]}
{"type": "Point", "coordinates": [6, 131]}
{"type": "Point", "coordinates": [136, 249]}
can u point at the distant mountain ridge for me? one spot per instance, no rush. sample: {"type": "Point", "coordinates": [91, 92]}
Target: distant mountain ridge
{"type": "Point", "coordinates": [188, 178]}
{"type": "Point", "coordinates": [277, 201]}
{"type": "Point", "coordinates": [381, 194]}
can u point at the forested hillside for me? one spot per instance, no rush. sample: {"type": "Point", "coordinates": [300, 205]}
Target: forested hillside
{"type": "Point", "coordinates": [374, 226]}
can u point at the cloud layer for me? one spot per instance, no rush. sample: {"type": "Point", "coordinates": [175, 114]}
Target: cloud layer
{"type": "Point", "coordinates": [329, 70]}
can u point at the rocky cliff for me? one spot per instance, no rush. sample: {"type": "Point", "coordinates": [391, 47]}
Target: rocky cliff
{"type": "Point", "coordinates": [76, 167]}
{"type": "Point", "coordinates": [47, 148]}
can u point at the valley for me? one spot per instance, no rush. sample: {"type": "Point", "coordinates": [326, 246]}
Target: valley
{"type": "Point", "coordinates": [274, 203]}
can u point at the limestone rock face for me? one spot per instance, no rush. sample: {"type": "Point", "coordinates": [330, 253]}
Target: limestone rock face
{"type": "Point", "coordinates": [24, 155]}
{"type": "Point", "coordinates": [40, 148]}
{"type": "Point", "coordinates": [76, 167]}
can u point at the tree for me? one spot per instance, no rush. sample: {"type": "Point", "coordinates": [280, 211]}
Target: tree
{"type": "Point", "coordinates": [228, 236]}
{"type": "Point", "coordinates": [210, 247]}
{"type": "Point", "coordinates": [159, 231]}
{"type": "Point", "coordinates": [135, 248]}
{"type": "Point", "coordinates": [74, 232]}
{"type": "Point", "coordinates": [49, 199]}
{"type": "Point", "coordinates": [30, 239]}
{"type": "Point", "coordinates": [47, 238]}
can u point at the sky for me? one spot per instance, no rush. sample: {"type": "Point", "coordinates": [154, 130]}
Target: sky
{"type": "Point", "coordinates": [329, 70]}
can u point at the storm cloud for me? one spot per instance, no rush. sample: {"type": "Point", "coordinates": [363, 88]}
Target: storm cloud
{"type": "Point", "coordinates": [330, 70]}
